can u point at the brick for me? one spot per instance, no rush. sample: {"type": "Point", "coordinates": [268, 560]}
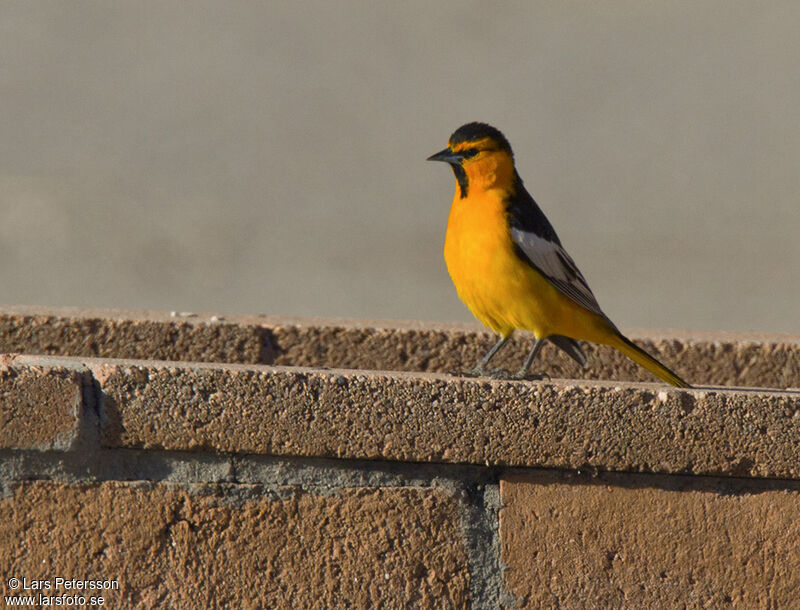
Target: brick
{"type": "Point", "coordinates": [41, 403]}
{"type": "Point", "coordinates": [434, 418]}
{"type": "Point", "coordinates": [240, 546]}
{"type": "Point", "coordinates": [631, 541]}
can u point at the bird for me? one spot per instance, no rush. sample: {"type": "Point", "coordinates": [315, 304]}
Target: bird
{"type": "Point", "coordinates": [509, 266]}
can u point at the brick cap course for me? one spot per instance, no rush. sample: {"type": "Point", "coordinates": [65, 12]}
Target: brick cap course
{"type": "Point", "coordinates": [425, 417]}
{"type": "Point", "coordinates": [711, 358]}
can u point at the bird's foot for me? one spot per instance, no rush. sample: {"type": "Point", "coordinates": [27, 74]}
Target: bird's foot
{"type": "Point", "coordinates": [523, 375]}
{"type": "Point", "coordinates": [483, 372]}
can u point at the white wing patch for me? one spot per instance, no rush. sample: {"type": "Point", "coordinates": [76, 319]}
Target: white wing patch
{"type": "Point", "coordinates": [557, 266]}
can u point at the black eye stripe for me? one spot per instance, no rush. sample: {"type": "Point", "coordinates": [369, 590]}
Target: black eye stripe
{"type": "Point", "coordinates": [471, 152]}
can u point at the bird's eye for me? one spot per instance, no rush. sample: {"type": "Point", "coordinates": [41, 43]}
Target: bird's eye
{"type": "Point", "coordinates": [469, 152]}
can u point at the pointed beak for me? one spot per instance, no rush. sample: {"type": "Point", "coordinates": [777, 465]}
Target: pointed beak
{"type": "Point", "coordinates": [446, 155]}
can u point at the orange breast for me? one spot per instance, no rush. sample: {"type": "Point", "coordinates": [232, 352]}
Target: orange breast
{"type": "Point", "coordinates": [477, 248]}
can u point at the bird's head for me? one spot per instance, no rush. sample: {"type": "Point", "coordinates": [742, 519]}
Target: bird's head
{"type": "Point", "coordinates": [480, 156]}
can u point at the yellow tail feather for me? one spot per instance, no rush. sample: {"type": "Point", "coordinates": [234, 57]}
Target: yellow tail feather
{"type": "Point", "coordinates": [642, 358]}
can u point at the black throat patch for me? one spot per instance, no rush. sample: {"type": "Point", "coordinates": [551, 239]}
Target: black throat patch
{"type": "Point", "coordinates": [461, 178]}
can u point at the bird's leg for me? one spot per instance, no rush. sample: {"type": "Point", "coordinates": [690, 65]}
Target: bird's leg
{"type": "Point", "coordinates": [481, 369]}
{"type": "Point", "coordinates": [523, 372]}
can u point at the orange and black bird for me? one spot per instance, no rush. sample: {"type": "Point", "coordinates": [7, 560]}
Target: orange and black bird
{"type": "Point", "coordinates": [509, 266]}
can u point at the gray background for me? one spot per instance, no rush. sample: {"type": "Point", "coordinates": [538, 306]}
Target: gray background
{"type": "Point", "coordinates": [269, 157]}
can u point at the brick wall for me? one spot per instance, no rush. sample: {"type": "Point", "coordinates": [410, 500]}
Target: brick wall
{"type": "Point", "coordinates": [200, 461]}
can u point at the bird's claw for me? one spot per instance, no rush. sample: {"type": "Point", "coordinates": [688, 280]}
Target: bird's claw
{"type": "Point", "coordinates": [498, 373]}
{"type": "Point", "coordinates": [526, 376]}
{"type": "Point", "coordinates": [482, 372]}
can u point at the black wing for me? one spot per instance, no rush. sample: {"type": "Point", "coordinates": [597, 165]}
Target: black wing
{"type": "Point", "coordinates": [536, 243]}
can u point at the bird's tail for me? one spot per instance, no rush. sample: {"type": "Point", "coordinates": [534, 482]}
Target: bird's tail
{"type": "Point", "coordinates": [642, 358]}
